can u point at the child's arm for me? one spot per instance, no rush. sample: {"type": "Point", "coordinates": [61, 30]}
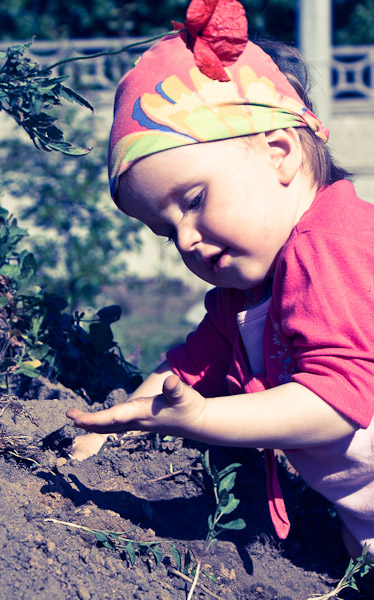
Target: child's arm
{"type": "Point", "coordinates": [87, 445]}
{"type": "Point", "coordinates": [288, 416]}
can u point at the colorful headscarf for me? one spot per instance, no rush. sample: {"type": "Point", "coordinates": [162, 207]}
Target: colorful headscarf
{"type": "Point", "coordinates": [165, 102]}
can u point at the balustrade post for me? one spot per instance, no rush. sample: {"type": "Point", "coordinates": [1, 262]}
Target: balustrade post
{"type": "Point", "coordinates": [315, 44]}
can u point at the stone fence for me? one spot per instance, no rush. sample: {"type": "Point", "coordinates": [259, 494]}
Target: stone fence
{"type": "Point", "coordinates": [352, 68]}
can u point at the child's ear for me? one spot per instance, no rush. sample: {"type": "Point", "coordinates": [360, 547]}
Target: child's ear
{"type": "Point", "coordinates": [286, 152]}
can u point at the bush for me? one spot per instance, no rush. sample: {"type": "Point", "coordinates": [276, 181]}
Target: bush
{"type": "Point", "coordinates": [38, 337]}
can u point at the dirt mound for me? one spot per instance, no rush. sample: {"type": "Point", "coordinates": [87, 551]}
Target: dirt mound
{"type": "Point", "coordinates": [159, 488]}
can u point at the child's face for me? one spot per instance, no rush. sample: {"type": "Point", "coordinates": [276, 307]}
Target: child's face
{"type": "Point", "coordinates": [222, 203]}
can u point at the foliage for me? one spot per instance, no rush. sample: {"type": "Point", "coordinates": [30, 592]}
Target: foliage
{"type": "Point", "coordinates": [58, 19]}
{"type": "Point", "coordinates": [28, 93]}
{"type": "Point", "coordinates": [361, 566]}
{"type": "Point", "coordinates": [38, 338]}
{"type": "Point", "coordinates": [119, 540]}
{"type": "Point", "coordinates": [353, 22]}
{"type": "Point", "coordinates": [223, 482]}
{"type": "Point", "coordinates": [79, 236]}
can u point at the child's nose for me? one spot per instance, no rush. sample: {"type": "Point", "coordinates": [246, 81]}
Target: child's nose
{"type": "Point", "coordinates": [188, 237]}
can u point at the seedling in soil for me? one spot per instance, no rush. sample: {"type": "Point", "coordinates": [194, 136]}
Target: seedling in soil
{"type": "Point", "coordinates": [361, 566]}
{"type": "Point", "coordinates": [226, 503]}
{"type": "Point", "coordinates": [118, 540]}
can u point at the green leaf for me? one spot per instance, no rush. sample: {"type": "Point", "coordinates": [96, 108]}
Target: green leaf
{"type": "Point", "coordinates": [11, 271]}
{"type": "Point", "coordinates": [231, 505]}
{"type": "Point", "coordinates": [210, 576]}
{"type": "Point", "coordinates": [352, 584]}
{"type": "Point", "coordinates": [156, 553]}
{"type": "Point", "coordinates": [109, 314]}
{"type": "Point", "coordinates": [223, 498]}
{"type": "Point", "coordinates": [100, 336]}
{"type": "Point", "coordinates": [100, 536]}
{"type": "Point", "coordinates": [39, 351]}
{"type": "Point", "coordinates": [215, 474]}
{"type": "Point", "coordinates": [3, 55]}
{"type": "Point", "coordinates": [204, 459]}
{"type": "Point", "coordinates": [227, 483]}
{"type": "Point", "coordinates": [187, 562]}
{"type": "Point", "coordinates": [53, 302]}
{"type": "Point", "coordinates": [131, 553]}
{"type": "Point", "coordinates": [72, 96]}
{"type": "Point", "coordinates": [27, 370]}
{"type": "Point", "coordinates": [15, 231]}
{"type": "Point", "coordinates": [176, 555]}
{"type": "Point", "coordinates": [229, 469]}
{"type": "Point", "coordinates": [28, 265]}
{"type": "Point", "coordinates": [68, 149]}
{"type": "Point", "coordinates": [3, 301]}
{"type": "Point", "coordinates": [232, 525]}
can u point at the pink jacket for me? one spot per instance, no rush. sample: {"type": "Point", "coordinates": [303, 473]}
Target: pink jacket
{"type": "Point", "coordinates": [318, 332]}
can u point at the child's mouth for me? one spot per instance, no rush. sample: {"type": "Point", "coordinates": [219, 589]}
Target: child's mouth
{"type": "Point", "coordinates": [217, 259]}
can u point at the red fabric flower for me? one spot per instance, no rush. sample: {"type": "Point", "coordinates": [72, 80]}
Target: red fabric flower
{"type": "Point", "coordinates": [217, 33]}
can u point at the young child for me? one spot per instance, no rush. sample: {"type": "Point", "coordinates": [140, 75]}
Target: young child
{"type": "Point", "coordinates": [238, 176]}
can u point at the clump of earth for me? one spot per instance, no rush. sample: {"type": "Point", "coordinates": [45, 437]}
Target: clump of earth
{"type": "Point", "coordinates": [157, 491]}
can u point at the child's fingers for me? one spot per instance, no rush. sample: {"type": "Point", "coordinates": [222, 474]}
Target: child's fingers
{"type": "Point", "coordinates": [103, 421]}
{"type": "Point", "coordinates": [72, 413]}
{"type": "Point", "coordinates": [117, 419]}
{"type": "Point", "coordinates": [87, 445]}
{"type": "Point", "coordinates": [173, 388]}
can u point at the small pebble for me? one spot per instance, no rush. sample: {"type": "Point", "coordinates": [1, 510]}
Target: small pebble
{"type": "Point", "coordinates": [83, 593]}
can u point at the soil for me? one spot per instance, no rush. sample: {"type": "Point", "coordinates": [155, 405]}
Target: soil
{"type": "Point", "coordinates": [157, 487]}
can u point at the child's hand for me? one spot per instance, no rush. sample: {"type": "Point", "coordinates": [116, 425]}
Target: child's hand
{"type": "Point", "coordinates": [87, 445]}
{"type": "Point", "coordinates": [178, 411]}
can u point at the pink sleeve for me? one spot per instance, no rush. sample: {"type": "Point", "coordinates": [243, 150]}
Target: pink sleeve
{"type": "Point", "coordinates": [203, 361]}
{"type": "Point", "coordinates": [324, 292]}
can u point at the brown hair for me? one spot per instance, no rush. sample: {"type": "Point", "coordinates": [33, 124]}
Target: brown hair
{"type": "Point", "coordinates": [323, 168]}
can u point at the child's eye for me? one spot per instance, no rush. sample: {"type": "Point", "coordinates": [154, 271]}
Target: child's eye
{"type": "Point", "coordinates": [171, 238]}
{"type": "Point", "coordinates": [195, 202]}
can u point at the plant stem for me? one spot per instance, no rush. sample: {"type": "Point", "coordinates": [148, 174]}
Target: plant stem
{"type": "Point", "coordinates": [187, 578]}
{"type": "Point", "coordinates": [90, 530]}
{"type": "Point", "coordinates": [108, 52]}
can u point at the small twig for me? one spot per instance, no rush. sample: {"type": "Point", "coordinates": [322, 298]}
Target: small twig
{"type": "Point", "coordinates": [89, 529]}
{"type": "Point", "coordinates": [190, 580]}
{"type": "Point", "coordinates": [32, 460]}
{"type": "Point", "coordinates": [195, 581]}
{"type": "Point", "coordinates": [107, 52]}
{"type": "Point", "coordinates": [179, 472]}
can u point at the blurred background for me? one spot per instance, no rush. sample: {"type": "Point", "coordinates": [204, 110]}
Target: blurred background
{"type": "Point", "coordinates": [87, 251]}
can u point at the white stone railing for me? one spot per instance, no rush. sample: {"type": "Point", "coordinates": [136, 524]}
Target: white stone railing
{"type": "Point", "coordinates": [352, 68]}
{"type": "Point", "coordinates": [352, 78]}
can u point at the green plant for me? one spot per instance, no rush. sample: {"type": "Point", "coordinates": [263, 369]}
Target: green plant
{"type": "Point", "coordinates": [223, 482]}
{"type": "Point", "coordinates": [119, 540]}
{"type": "Point", "coordinates": [359, 567]}
{"type": "Point", "coordinates": [186, 566]}
{"type": "Point", "coordinates": [37, 336]}
{"type": "Point", "coordinates": [28, 93]}
{"type": "Point", "coordinates": [18, 320]}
